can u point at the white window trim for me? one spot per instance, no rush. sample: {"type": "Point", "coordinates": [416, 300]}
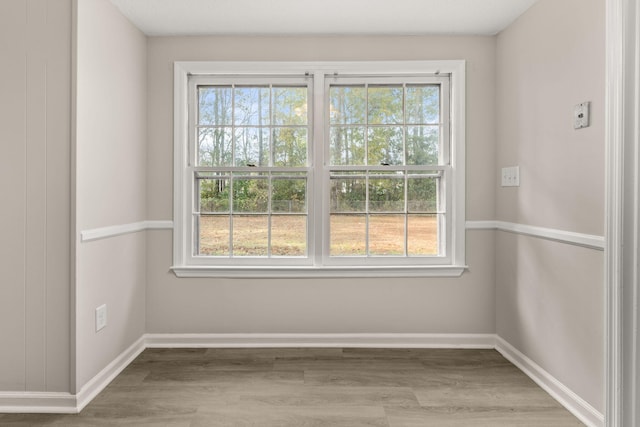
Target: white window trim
{"type": "Point", "coordinates": [456, 70]}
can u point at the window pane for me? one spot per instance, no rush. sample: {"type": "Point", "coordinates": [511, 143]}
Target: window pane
{"type": "Point", "coordinates": [347, 145]}
{"type": "Point", "coordinates": [348, 104]}
{"type": "Point", "coordinates": [422, 195]}
{"type": "Point", "coordinates": [386, 195]}
{"type": "Point", "coordinates": [214, 147]}
{"type": "Point", "coordinates": [423, 104]}
{"type": "Point", "coordinates": [250, 235]}
{"type": "Point", "coordinates": [290, 105]}
{"type": "Point", "coordinates": [214, 106]}
{"type": "Point", "coordinates": [386, 234]}
{"type": "Point", "coordinates": [385, 146]}
{"type": "Point", "coordinates": [385, 105]}
{"type": "Point", "coordinates": [251, 106]}
{"type": "Point", "coordinates": [288, 235]}
{"type": "Point", "coordinates": [251, 146]}
{"type": "Point", "coordinates": [213, 235]}
{"type": "Point", "coordinates": [422, 234]}
{"type": "Point", "coordinates": [348, 195]}
{"type": "Point", "coordinates": [423, 145]}
{"type": "Point", "coordinates": [290, 147]}
{"type": "Point", "coordinates": [214, 195]}
{"type": "Point", "coordinates": [250, 195]}
{"type": "Point", "coordinates": [289, 195]}
{"type": "Point", "coordinates": [348, 235]}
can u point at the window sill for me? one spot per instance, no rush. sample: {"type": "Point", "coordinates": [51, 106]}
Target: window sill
{"type": "Point", "coordinates": [319, 272]}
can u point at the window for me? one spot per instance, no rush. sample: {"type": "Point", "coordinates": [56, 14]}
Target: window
{"type": "Point", "coordinates": [334, 169]}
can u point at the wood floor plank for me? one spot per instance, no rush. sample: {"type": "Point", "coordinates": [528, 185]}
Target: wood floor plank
{"type": "Point", "coordinates": [481, 375]}
{"type": "Point", "coordinates": [165, 354]}
{"type": "Point", "coordinates": [488, 417]}
{"type": "Point", "coordinates": [483, 396]}
{"type": "Point", "coordinates": [274, 353]}
{"type": "Point", "coordinates": [142, 398]}
{"type": "Point", "coordinates": [39, 420]}
{"type": "Point", "coordinates": [303, 395]}
{"type": "Point", "coordinates": [202, 377]}
{"type": "Point", "coordinates": [291, 416]}
{"type": "Point", "coordinates": [434, 357]}
{"type": "Point", "coordinates": [130, 377]}
{"type": "Point", "coordinates": [382, 378]}
{"type": "Point", "coordinates": [347, 364]}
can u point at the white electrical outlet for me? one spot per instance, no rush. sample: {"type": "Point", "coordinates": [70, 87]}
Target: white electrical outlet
{"type": "Point", "coordinates": [511, 176]}
{"type": "Point", "coordinates": [581, 115]}
{"type": "Point", "coordinates": [101, 317]}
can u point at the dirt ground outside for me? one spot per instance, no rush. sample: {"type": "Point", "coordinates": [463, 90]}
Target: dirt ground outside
{"type": "Point", "coordinates": [348, 235]}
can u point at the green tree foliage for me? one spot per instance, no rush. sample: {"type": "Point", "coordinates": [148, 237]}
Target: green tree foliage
{"type": "Point", "coordinates": [289, 195]}
{"type": "Point", "coordinates": [252, 126]}
{"type": "Point", "coordinates": [384, 125]}
{"type": "Point", "coordinates": [251, 195]}
{"type": "Point", "coordinates": [214, 195]}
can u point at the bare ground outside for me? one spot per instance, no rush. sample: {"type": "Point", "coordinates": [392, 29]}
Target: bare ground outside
{"type": "Point", "coordinates": [348, 235]}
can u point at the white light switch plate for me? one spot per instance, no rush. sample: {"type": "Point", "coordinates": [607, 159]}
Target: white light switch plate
{"type": "Point", "coordinates": [511, 176]}
{"type": "Point", "coordinates": [101, 317]}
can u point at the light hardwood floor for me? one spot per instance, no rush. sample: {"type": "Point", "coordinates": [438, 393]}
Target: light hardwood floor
{"type": "Point", "coordinates": [316, 387]}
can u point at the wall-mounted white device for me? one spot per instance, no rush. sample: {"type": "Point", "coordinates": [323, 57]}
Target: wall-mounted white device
{"type": "Point", "coordinates": [511, 176]}
{"type": "Point", "coordinates": [581, 115]}
{"type": "Point", "coordinates": [101, 317]}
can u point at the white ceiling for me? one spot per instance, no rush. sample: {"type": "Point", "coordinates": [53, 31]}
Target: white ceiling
{"type": "Point", "coordinates": [320, 17]}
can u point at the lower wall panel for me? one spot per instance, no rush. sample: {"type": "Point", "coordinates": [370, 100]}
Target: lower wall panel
{"type": "Point", "coordinates": [565, 396]}
{"type": "Point", "coordinates": [112, 272]}
{"type": "Point", "coordinates": [549, 306]}
{"type": "Point", "coordinates": [462, 305]}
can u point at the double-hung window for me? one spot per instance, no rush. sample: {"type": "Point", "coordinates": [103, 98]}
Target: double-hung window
{"type": "Point", "coordinates": [319, 169]}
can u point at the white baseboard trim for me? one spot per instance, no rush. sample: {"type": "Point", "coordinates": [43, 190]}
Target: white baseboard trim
{"type": "Point", "coordinates": [384, 340]}
{"type": "Point", "coordinates": [37, 403]}
{"type": "Point", "coordinates": [118, 230]}
{"type": "Point", "coordinates": [567, 398]}
{"type": "Point", "coordinates": [67, 403]}
{"type": "Point", "coordinates": [98, 383]}
{"type": "Point", "coordinates": [569, 237]}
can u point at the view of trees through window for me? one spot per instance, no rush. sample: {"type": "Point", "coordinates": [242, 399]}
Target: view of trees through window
{"type": "Point", "coordinates": [253, 199]}
{"type": "Point", "coordinates": [384, 198]}
{"type": "Point", "coordinates": [384, 153]}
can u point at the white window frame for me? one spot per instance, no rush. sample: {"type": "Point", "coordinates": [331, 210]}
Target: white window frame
{"type": "Point", "coordinates": [318, 263]}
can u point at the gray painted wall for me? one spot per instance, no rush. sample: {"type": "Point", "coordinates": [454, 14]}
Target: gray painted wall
{"type": "Point", "coordinates": [464, 305]}
{"type": "Point", "coordinates": [110, 183]}
{"type": "Point", "coordinates": [550, 296]}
